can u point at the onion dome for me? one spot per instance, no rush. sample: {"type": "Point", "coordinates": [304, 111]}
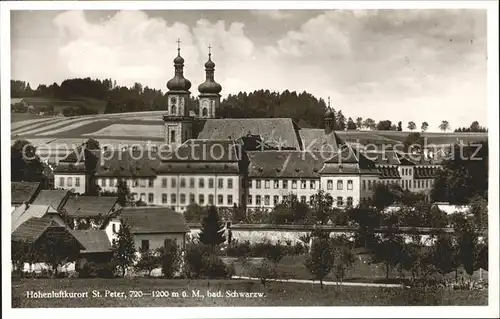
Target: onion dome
{"type": "Point", "coordinates": [329, 113]}
{"type": "Point", "coordinates": [178, 82]}
{"type": "Point", "coordinates": [209, 86]}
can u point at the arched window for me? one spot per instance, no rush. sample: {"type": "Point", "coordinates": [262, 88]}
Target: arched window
{"type": "Point", "coordinates": [173, 110]}
{"type": "Point", "coordinates": [205, 112]}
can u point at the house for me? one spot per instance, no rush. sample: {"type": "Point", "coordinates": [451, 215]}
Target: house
{"type": "Point", "coordinates": [450, 209]}
{"type": "Point", "coordinates": [27, 211]}
{"type": "Point", "coordinates": [150, 226]}
{"type": "Point", "coordinates": [54, 198]}
{"type": "Point", "coordinates": [93, 209]}
{"type": "Point", "coordinates": [98, 248]}
{"type": "Point", "coordinates": [23, 192]}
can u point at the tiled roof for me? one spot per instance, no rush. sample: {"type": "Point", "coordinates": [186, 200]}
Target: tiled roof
{"type": "Point", "coordinates": [143, 220]}
{"type": "Point", "coordinates": [90, 206]}
{"type": "Point", "coordinates": [70, 167]}
{"type": "Point", "coordinates": [23, 213]}
{"type": "Point", "coordinates": [220, 168]}
{"type": "Point", "coordinates": [386, 157]}
{"type": "Point", "coordinates": [334, 168]}
{"type": "Point", "coordinates": [22, 192]}
{"type": "Point", "coordinates": [201, 150]}
{"type": "Point", "coordinates": [94, 241]}
{"type": "Point", "coordinates": [389, 172]}
{"type": "Point", "coordinates": [54, 198]}
{"type": "Point", "coordinates": [424, 172]}
{"type": "Point", "coordinates": [271, 130]}
{"type": "Point", "coordinates": [31, 229]}
{"type": "Point", "coordinates": [128, 163]}
{"type": "Point", "coordinates": [346, 155]}
{"type": "Point", "coordinates": [317, 140]}
{"type": "Point", "coordinates": [284, 164]}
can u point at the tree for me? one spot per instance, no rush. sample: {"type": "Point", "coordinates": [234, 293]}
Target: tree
{"type": "Point", "coordinates": [464, 175]}
{"type": "Point", "coordinates": [290, 210]}
{"type": "Point", "coordinates": [444, 254]}
{"type": "Point", "coordinates": [359, 123]}
{"type": "Point", "coordinates": [25, 164]}
{"type": "Point", "coordinates": [444, 126]}
{"type": "Point", "coordinates": [367, 219]}
{"type": "Point", "coordinates": [321, 205]}
{"type": "Point", "coordinates": [148, 260]}
{"type": "Point", "coordinates": [92, 144]}
{"type": "Point", "coordinates": [341, 121]}
{"type": "Point", "coordinates": [123, 193]}
{"type": "Point", "coordinates": [384, 125]}
{"type": "Point", "coordinates": [412, 126]}
{"type": "Point", "coordinates": [170, 258]}
{"type": "Point", "coordinates": [413, 142]}
{"type": "Point", "coordinates": [467, 241]}
{"type": "Point", "coordinates": [351, 125]}
{"type": "Point", "coordinates": [389, 249]}
{"type": "Point", "coordinates": [344, 256]}
{"type": "Point", "coordinates": [386, 195]}
{"type": "Point", "coordinates": [212, 230]}
{"type": "Point", "coordinates": [239, 213]}
{"type": "Point", "coordinates": [369, 124]}
{"type": "Point", "coordinates": [124, 248]}
{"type": "Point", "coordinates": [475, 127]}
{"type": "Point", "coordinates": [424, 126]}
{"type": "Point", "coordinates": [400, 126]}
{"type": "Point", "coordinates": [194, 213]}
{"type": "Point", "coordinates": [320, 260]}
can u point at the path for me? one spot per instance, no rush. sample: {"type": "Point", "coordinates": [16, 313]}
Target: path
{"type": "Point", "coordinates": [326, 283]}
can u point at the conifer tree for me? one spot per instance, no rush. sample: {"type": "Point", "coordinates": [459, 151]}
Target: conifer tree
{"type": "Point", "coordinates": [124, 248]}
{"type": "Point", "coordinates": [212, 230]}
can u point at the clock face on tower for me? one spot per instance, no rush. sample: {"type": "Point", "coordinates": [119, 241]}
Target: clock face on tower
{"type": "Point", "coordinates": [173, 101]}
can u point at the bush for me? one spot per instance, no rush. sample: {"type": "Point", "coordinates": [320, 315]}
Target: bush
{"type": "Point", "coordinates": [216, 268]}
{"type": "Point", "coordinates": [265, 271]}
{"type": "Point", "coordinates": [98, 270]}
{"type": "Point", "coordinates": [194, 260]}
{"type": "Point", "coordinates": [237, 249]}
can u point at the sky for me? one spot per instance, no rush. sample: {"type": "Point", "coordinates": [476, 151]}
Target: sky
{"type": "Point", "coordinates": [401, 65]}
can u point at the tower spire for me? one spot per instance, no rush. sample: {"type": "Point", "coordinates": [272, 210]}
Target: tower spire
{"type": "Point", "coordinates": [178, 46]}
{"type": "Point", "coordinates": [328, 102]}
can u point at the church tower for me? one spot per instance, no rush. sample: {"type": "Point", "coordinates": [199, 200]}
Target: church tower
{"type": "Point", "coordinates": [329, 119]}
{"type": "Point", "coordinates": [178, 123]}
{"type": "Point", "coordinates": [209, 97]}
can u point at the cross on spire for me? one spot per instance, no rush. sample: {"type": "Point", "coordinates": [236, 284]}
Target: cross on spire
{"type": "Point", "coordinates": [328, 102]}
{"type": "Point", "coordinates": [209, 50]}
{"type": "Point", "coordinates": [178, 44]}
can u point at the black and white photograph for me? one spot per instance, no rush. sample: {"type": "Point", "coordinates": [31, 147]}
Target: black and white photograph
{"type": "Point", "coordinates": [205, 156]}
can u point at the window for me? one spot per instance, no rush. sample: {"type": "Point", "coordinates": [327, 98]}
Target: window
{"type": "Point", "coordinates": [163, 198]}
{"type": "Point", "coordinates": [201, 199]}
{"type": "Point", "coordinates": [183, 182]}
{"type": "Point", "coordinates": [285, 184]}
{"type": "Point", "coordinates": [134, 196]}
{"type": "Point", "coordinates": [349, 184]}
{"type": "Point", "coordinates": [267, 184]}
{"type": "Point", "coordinates": [151, 197]}
{"type": "Point", "coordinates": [364, 185]}
{"type": "Point", "coordinates": [220, 199]}
{"type": "Point", "coordinates": [191, 199]}
{"type": "Point", "coordinates": [70, 182]}
{"type": "Point", "coordinates": [201, 183]}
{"type": "Point", "coordinates": [145, 244]}
{"type": "Point", "coordinates": [182, 198]}
{"type": "Point", "coordinates": [402, 183]}
{"type": "Point", "coordinates": [267, 200]}
{"type": "Point", "coordinates": [340, 201]}
{"type": "Point", "coordinates": [349, 201]}
{"type": "Point", "coordinates": [230, 199]}
{"type": "Point", "coordinates": [172, 133]}
{"type": "Point", "coordinates": [410, 172]}
{"type": "Point", "coordinates": [77, 181]}
{"type": "Point", "coordinates": [173, 182]}
{"type": "Point", "coordinates": [249, 200]}
{"type": "Point", "coordinates": [249, 183]}
{"type": "Point", "coordinates": [258, 199]}
{"type": "Point", "coordinates": [113, 227]}
{"type": "Point", "coordinates": [164, 182]}
{"type": "Point", "coordinates": [276, 200]}
{"type": "Point", "coordinates": [303, 184]}
{"type": "Point", "coordinates": [312, 184]}
{"type": "Point", "coordinates": [210, 199]}
{"type": "Point", "coordinates": [303, 199]}
{"type": "Point", "coordinates": [230, 183]}
{"type": "Point", "coordinates": [340, 185]}
{"type": "Point", "coordinates": [143, 197]}
{"type": "Point", "coordinates": [142, 182]}
{"type": "Point", "coordinates": [369, 184]}
{"type": "Point", "coordinates": [173, 199]}
{"type": "Point", "coordinates": [329, 184]}
{"type": "Point", "coordinates": [135, 183]}
{"type": "Point", "coordinates": [294, 184]}
{"type": "Point", "coordinates": [151, 183]}
{"type": "Point", "coordinates": [258, 183]}
{"type": "Point", "coordinates": [426, 183]}
{"type": "Point", "coordinates": [210, 183]}
{"type": "Point", "coordinates": [111, 182]}
{"type": "Point", "coordinates": [191, 182]}
{"type": "Point", "coordinates": [311, 199]}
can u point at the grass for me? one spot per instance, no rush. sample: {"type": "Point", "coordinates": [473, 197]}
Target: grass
{"type": "Point", "coordinates": [292, 267]}
{"type": "Point", "coordinates": [274, 294]}
{"type": "Point", "coordinates": [18, 117]}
